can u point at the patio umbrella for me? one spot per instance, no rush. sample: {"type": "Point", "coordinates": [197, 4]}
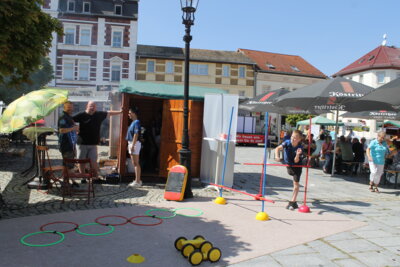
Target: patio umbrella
{"type": "Point", "coordinates": [332, 94]}
{"type": "Point", "coordinates": [264, 103]}
{"type": "Point", "coordinates": [373, 114]}
{"type": "Point", "coordinates": [31, 107]}
{"type": "Point", "coordinates": [387, 94]}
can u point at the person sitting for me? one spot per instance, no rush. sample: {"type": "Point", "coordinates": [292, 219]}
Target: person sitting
{"type": "Point", "coordinates": [317, 152]}
{"type": "Point", "coordinates": [345, 153]}
{"type": "Point", "coordinates": [359, 153]}
{"type": "Point", "coordinates": [326, 153]}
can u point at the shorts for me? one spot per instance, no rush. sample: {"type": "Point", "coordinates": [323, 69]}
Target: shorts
{"type": "Point", "coordinates": [295, 172]}
{"type": "Point", "coordinates": [87, 152]}
{"type": "Point", "coordinates": [138, 146]}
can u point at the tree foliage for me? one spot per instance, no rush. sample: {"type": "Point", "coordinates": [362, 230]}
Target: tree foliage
{"type": "Point", "coordinates": [25, 38]}
{"type": "Point", "coordinates": [39, 78]}
{"type": "Point", "coordinates": [294, 118]}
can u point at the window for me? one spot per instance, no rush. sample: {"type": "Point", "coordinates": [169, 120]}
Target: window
{"type": "Point", "coordinates": [69, 36]}
{"type": "Point", "coordinates": [85, 37]}
{"type": "Point", "coordinates": [380, 76]}
{"type": "Point", "coordinates": [68, 70]}
{"type": "Point", "coordinates": [241, 93]}
{"type": "Point", "coordinates": [198, 69]}
{"type": "Point", "coordinates": [398, 75]}
{"type": "Point", "coordinates": [150, 66]}
{"type": "Point", "coordinates": [169, 68]}
{"type": "Point", "coordinates": [225, 71]}
{"type": "Point", "coordinates": [84, 71]}
{"type": "Point", "coordinates": [361, 79]}
{"type": "Point", "coordinates": [86, 7]}
{"type": "Point", "coordinates": [117, 39]}
{"type": "Point", "coordinates": [118, 10]}
{"type": "Point", "coordinates": [295, 68]}
{"type": "Point", "coordinates": [115, 73]}
{"type": "Point", "coordinates": [270, 66]}
{"type": "Point", "coordinates": [71, 5]}
{"type": "Point", "coordinates": [242, 72]}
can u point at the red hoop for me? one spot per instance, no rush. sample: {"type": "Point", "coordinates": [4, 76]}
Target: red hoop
{"type": "Point", "coordinates": [109, 216]}
{"type": "Point", "coordinates": [73, 229]}
{"type": "Point", "coordinates": [142, 224]}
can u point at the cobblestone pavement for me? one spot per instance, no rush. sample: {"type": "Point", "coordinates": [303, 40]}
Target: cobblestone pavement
{"type": "Point", "coordinates": [377, 244]}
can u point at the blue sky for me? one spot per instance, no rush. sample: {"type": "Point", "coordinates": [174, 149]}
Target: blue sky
{"type": "Point", "coordinates": [328, 34]}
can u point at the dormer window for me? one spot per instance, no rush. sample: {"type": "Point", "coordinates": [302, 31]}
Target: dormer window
{"type": "Point", "coordinates": [269, 65]}
{"type": "Point", "coordinates": [361, 61]}
{"type": "Point", "coordinates": [86, 7]}
{"type": "Point", "coordinates": [295, 68]}
{"type": "Point", "coordinates": [118, 10]}
{"type": "Point", "coordinates": [371, 58]}
{"type": "Point", "coordinates": [71, 5]}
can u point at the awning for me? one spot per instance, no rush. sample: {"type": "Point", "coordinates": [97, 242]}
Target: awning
{"type": "Point", "coordinates": [393, 123]}
{"type": "Point", "coordinates": [320, 121]}
{"type": "Point", "coordinates": [164, 90]}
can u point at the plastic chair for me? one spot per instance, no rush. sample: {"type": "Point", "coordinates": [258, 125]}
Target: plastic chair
{"type": "Point", "coordinates": [71, 175]}
{"type": "Point", "coordinates": [52, 175]}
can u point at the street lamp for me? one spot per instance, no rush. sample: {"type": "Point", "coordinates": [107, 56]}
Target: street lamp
{"type": "Point", "coordinates": [188, 8]}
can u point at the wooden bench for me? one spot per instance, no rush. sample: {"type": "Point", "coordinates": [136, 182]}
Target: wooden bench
{"type": "Point", "coordinates": [396, 174]}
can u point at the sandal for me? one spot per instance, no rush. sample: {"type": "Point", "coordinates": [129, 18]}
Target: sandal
{"type": "Point", "coordinates": [376, 189]}
{"type": "Point", "coordinates": [371, 187]}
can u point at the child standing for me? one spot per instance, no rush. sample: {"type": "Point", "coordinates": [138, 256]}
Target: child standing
{"type": "Point", "coordinates": [292, 151]}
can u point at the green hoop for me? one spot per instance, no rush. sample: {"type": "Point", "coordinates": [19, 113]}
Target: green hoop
{"type": "Point", "coordinates": [161, 217]}
{"type": "Point", "coordinates": [84, 225]}
{"type": "Point", "coordinates": [42, 245]}
{"type": "Point", "coordinates": [196, 215]}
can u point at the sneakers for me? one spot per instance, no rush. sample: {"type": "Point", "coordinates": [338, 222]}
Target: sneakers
{"type": "Point", "coordinates": [135, 184]}
{"type": "Point", "coordinates": [292, 205]}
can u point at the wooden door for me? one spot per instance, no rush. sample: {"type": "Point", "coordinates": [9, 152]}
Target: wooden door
{"type": "Point", "coordinates": [171, 135]}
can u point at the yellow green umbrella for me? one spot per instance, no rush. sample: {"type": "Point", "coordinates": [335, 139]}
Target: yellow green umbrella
{"type": "Point", "coordinates": [30, 108]}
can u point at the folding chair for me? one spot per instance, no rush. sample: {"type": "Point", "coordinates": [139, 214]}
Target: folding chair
{"type": "Point", "coordinates": [52, 175]}
{"type": "Point", "coordinates": [71, 175]}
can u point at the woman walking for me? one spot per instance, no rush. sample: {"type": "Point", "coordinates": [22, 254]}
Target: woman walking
{"type": "Point", "coordinates": [376, 153]}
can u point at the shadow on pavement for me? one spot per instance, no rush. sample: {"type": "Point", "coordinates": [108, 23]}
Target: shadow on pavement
{"type": "Point", "coordinates": [326, 206]}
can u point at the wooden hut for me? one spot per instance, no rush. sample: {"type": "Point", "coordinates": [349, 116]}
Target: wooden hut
{"type": "Point", "coordinates": [161, 115]}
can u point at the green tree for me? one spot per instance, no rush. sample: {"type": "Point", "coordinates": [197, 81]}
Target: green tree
{"type": "Point", "coordinates": [294, 118]}
{"type": "Point", "coordinates": [25, 38]}
{"type": "Point", "coordinates": [39, 78]}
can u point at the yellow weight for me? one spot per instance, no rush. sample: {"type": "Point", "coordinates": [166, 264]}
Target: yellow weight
{"type": "Point", "coordinates": [195, 258]}
{"type": "Point", "coordinates": [179, 242]}
{"type": "Point", "coordinates": [187, 249]}
{"type": "Point", "coordinates": [214, 255]}
{"type": "Point", "coordinates": [205, 247]}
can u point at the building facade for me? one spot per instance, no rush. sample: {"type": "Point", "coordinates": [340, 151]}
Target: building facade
{"type": "Point", "coordinates": [99, 44]}
{"type": "Point", "coordinates": [379, 66]}
{"type": "Point", "coordinates": [227, 70]}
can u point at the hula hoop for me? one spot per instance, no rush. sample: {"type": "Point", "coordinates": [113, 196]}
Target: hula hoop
{"type": "Point", "coordinates": [75, 224]}
{"type": "Point", "coordinates": [160, 217]}
{"type": "Point", "coordinates": [196, 215]}
{"type": "Point", "coordinates": [84, 225]}
{"type": "Point", "coordinates": [109, 216]}
{"type": "Point", "coordinates": [143, 224]}
{"type": "Point", "coordinates": [42, 245]}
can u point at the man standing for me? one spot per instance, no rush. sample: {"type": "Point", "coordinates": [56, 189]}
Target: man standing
{"type": "Point", "coordinates": [67, 132]}
{"type": "Point", "coordinates": [89, 132]}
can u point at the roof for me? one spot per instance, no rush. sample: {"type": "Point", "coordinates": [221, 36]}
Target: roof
{"type": "Point", "coordinates": [205, 55]}
{"type": "Point", "coordinates": [389, 123]}
{"type": "Point", "coordinates": [382, 57]}
{"type": "Point", "coordinates": [163, 90]}
{"type": "Point", "coordinates": [282, 64]}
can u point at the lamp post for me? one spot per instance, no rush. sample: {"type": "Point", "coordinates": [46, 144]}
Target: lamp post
{"type": "Point", "coordinates": [188, 9]}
